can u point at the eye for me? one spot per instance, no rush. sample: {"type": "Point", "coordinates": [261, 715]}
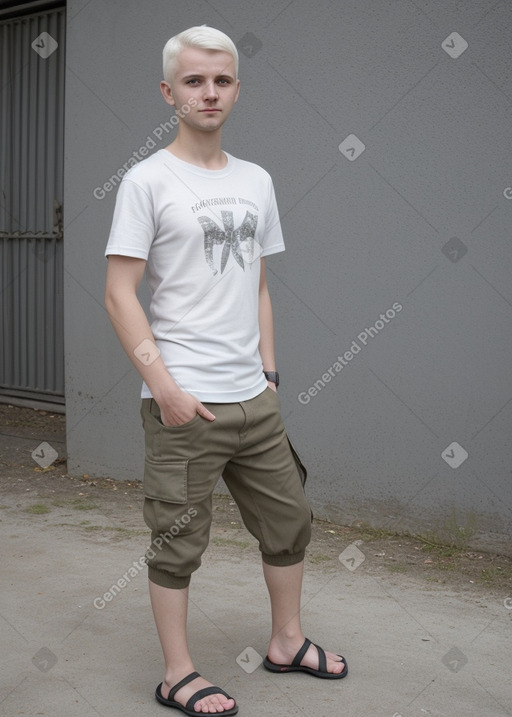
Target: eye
{"type": "Point", "coordinates": [192, 81]}
{"type": "Point", "coordinates": [224, 81]}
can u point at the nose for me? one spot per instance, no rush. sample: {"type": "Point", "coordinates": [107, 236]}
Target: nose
{"type": "Point", "coordinates": [210, 91]}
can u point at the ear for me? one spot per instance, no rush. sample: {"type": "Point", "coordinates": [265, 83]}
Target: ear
{"type": "Point", "coordinates": [237, 90]}
{"type": "Point", "coordinates": [165, 89]}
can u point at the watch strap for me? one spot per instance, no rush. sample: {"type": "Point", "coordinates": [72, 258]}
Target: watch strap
{"type": "Point", "coordinates": [272, 376]}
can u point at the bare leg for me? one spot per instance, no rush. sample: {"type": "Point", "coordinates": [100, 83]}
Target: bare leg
{"type": "Point", "coordinates": [285, 586]}
{"type": "Point", "coordinates": [170, 609]}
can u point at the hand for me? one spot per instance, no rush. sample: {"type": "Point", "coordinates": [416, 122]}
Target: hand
{"type": "Point", "coordinates": [181, 408]}
{"type": "Point", "coordinates": [272, 385]}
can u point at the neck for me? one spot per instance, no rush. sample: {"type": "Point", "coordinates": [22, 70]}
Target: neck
{"type": "Point", "coordinates": [200, 148]}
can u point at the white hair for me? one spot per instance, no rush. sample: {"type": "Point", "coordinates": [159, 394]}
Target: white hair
{"type": "Point", "coordinates": [207, 38]}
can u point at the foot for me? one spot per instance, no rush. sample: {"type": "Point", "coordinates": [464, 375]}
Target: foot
{"type": "Point", "coordinates": [211, 704]}
{"type": "Point", "coordinates": [282, 650]}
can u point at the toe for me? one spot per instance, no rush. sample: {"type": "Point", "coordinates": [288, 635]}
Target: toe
{"type": "Point", "coordinates": [334, 663]}
{"type": "Point", "coordinates": [214, 704]}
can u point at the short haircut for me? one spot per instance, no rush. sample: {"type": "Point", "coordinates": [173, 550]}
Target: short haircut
{"type": "Point", "coordinates": [207, 38]}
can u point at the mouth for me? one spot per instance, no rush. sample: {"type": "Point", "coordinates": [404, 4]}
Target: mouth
{"type": "Point", "coordinates": [211, 109]}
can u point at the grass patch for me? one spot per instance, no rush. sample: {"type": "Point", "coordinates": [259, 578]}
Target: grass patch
{"type": "Point", "coordinates": [86, 525]}
{"type": "Point", "coordinates": [441, 550]}
{"type": "Point", "coordinates": [443, 565]}
{"type": "Point", "coordinates": [37, 509]}
{"type": "Point", "coordinates": [114, 529]}
{"type": "Point", "coordinates": [318, 558]}
{"type": "Point", "coordinates": [368, 534]}
{"type": "Point", "coordinates": [79, 504]}
{"type": "Point", "coordinates": [495, 572]}
{"type": "Point", "coordinates": [76, 504]}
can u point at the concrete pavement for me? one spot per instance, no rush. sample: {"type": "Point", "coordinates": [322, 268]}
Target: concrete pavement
{"type": "Point", "coordinates": [412, 649]}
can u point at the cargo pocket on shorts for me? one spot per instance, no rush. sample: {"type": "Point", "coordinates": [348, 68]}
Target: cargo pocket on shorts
{"type": "Point", "coordinates": [166, 481]}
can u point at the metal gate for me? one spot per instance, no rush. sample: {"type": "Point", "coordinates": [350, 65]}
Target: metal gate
{"type": "Point", "coordinates": [32, 62]}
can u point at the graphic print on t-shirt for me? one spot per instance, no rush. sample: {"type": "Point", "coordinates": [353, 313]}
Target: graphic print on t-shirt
{"type": "Point", "coordinates": [240, 241]}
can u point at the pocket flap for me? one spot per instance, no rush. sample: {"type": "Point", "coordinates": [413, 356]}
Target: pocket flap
{"type": "Point", "coordinates": [166, 481]}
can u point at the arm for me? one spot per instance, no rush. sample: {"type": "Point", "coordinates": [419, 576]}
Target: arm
{"type": "Point", "coordinates": [266, 324]}
{"type": "Point", "coordinates": [124, 275]}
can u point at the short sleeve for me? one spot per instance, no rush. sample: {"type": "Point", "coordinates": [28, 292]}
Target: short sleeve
{"type": "Point", "coordinates": [133, 224]}
{"type": "Point", "coordinates": [274, 241]}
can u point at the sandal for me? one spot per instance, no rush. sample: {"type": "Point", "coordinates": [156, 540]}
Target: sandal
{"type": "Point", "coordinates": [188, 709]}
{"type": "Point", "coordinates": [297, 667]}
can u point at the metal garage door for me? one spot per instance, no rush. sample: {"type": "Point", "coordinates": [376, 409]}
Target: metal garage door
{"type": "Point", "coordinates": [31, 188]}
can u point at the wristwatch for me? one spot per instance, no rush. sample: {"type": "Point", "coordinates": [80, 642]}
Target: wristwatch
{"type": "Point", "coordinates": [272, 376]}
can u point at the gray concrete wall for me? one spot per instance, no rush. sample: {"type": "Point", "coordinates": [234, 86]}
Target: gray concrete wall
{"type": "Point", "coordinates": [386, 128]}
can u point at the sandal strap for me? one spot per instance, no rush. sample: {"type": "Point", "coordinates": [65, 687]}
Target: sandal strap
{"type": "Point", "coordinates": [182, 683]}
{"type": "Point", "coordinates": [322, 660]}
{"type": "Point", "coordinates": [203, 693]}
{"type": "Point", "coordinates": [300, 654]}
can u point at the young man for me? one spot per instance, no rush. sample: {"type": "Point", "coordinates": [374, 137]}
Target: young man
{"type": "Point", "coordinates": [200, 223]}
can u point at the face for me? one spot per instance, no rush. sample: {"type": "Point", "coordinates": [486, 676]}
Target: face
{"type": "Point", "coordinates": [208, 76]}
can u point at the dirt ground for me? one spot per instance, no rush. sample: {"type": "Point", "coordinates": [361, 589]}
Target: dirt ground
{"type": "Point", "coordinates": [50, 491]}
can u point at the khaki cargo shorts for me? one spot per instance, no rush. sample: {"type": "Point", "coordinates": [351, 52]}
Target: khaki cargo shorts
{"type": "Point", "coordinates": [247, 444]}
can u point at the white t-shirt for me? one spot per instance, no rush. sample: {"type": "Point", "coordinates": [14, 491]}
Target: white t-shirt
{"type": "Point", "coordinates": [202, 233]}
